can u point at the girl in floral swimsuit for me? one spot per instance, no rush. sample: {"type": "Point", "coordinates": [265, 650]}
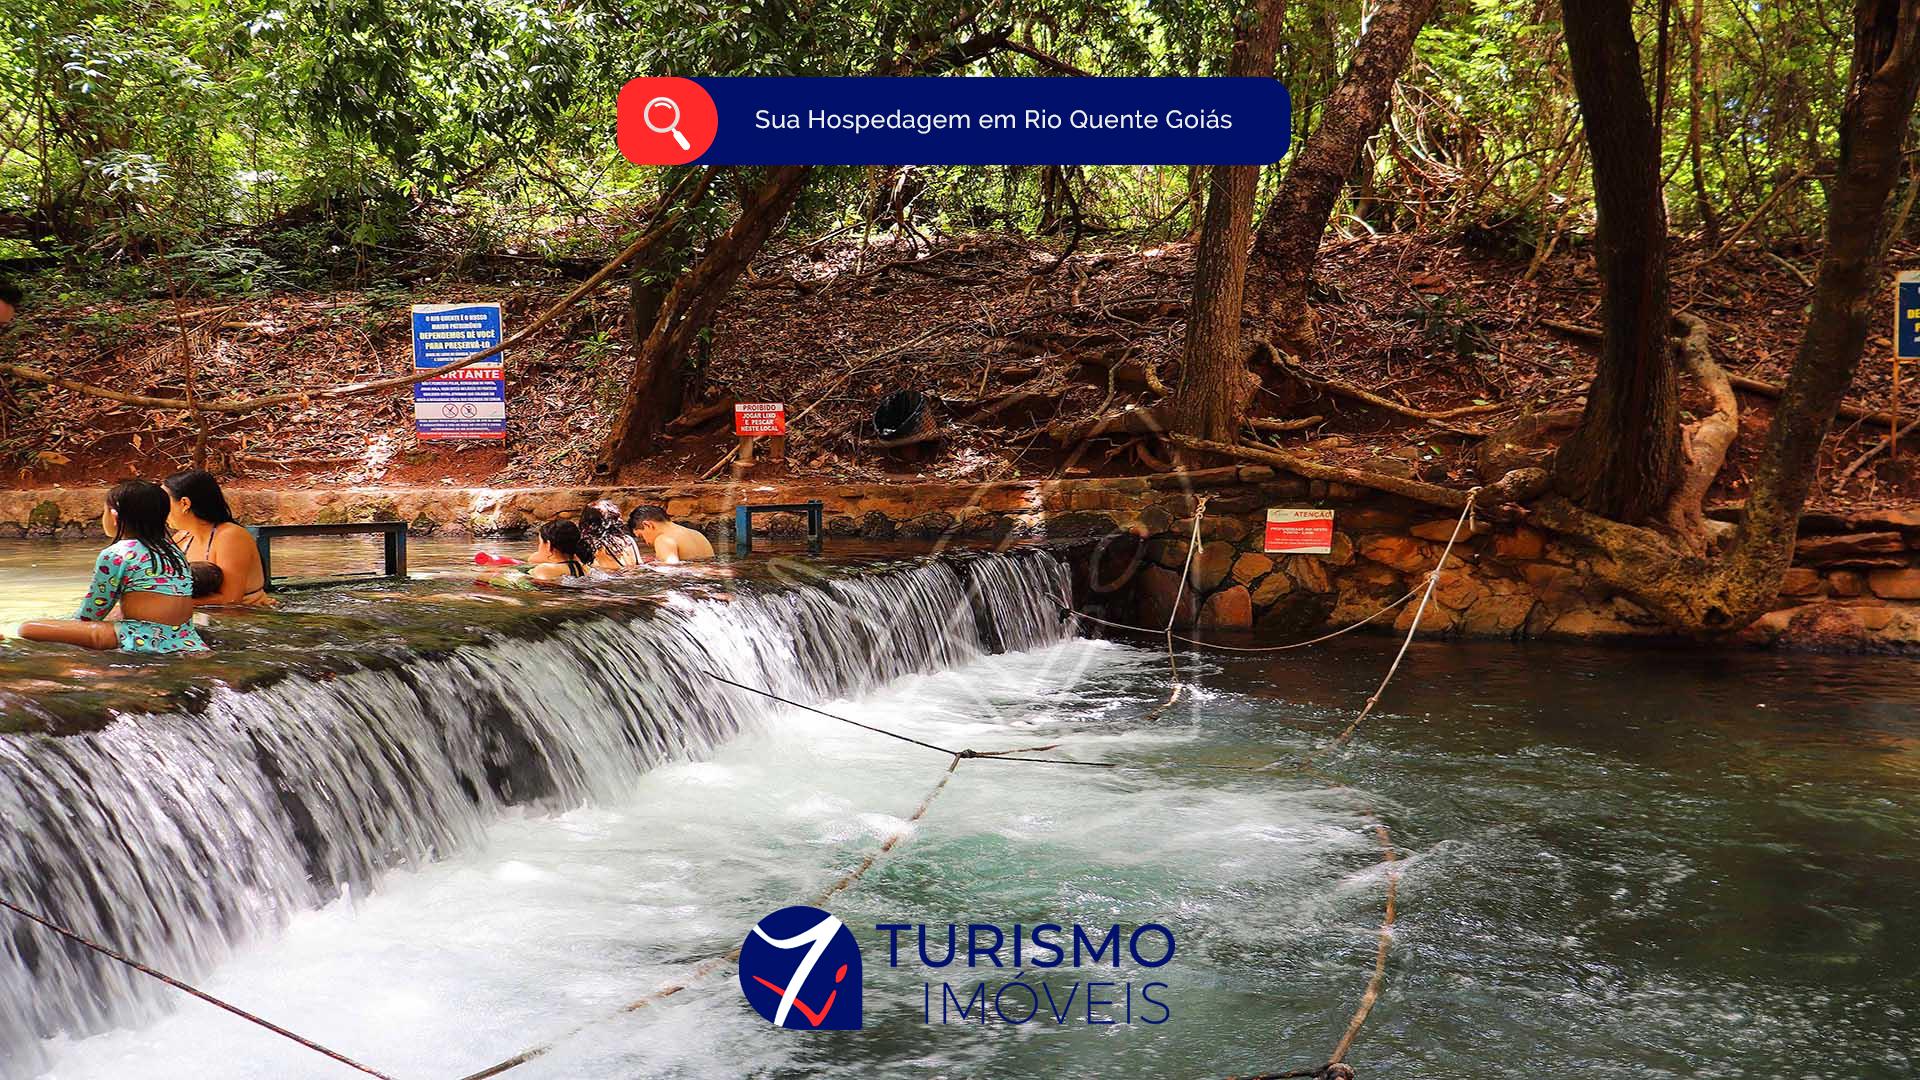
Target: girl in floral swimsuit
{"type": "Point", "coordinates": [143, 572]}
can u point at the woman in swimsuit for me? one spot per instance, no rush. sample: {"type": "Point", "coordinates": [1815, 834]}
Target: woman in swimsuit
{"type": "Point", "coordinates": [604, 529]}
{"type": "Point", "coordinates": [142, 572]}
{"type": "Point", "coordinates": [204, 528]}
{"type": "Point", "coordinates": [562, 555]}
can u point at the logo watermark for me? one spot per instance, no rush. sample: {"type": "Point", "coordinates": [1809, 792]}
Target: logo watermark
{"type": "Point", "coordinates": [800, 968]}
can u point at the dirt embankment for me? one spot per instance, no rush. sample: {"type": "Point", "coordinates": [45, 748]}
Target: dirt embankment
{"type": "Point", "coordinates": [1014, 348]}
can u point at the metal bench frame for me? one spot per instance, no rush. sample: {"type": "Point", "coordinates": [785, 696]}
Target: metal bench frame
{"type": "Point", "coordinates": [814, 509]}
{"type": "Point", "coordinates": [393, 532]}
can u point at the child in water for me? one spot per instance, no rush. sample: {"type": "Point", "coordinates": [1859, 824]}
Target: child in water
{"type": "Point", "coordinates": [141, 577]}
{"type": "Point", "coordinates": [561, 557]}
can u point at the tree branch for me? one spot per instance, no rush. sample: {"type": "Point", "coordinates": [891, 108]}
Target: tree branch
{"type": "Point", "coordinates": [1517, 486]}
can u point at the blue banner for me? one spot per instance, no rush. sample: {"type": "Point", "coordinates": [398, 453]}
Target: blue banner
{"type": "Point", "coordinates": [955, 121]}
{"type": "Point", "coordinates": [470, 403]}
{"type": "Point", "coordinates": [1906, 317]}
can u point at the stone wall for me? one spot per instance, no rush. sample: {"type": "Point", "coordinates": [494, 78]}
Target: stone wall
{"type": "Point", "coordinates": [1855, 583]}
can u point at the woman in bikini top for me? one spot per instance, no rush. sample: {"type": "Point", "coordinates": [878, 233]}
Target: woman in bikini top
{"type": "Point", "coordinates": [204, 528]}
{"type": "Point", "coordinates": [562, 555]}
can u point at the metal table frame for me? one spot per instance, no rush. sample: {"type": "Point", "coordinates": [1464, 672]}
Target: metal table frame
{"type": "Point", "coordinates": [393, 532]}
{"type": "Point", "coordinates": [814, 509]}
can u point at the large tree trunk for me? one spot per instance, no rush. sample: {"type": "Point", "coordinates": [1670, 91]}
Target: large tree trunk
{"type": "Point", "coordinates": [1296, 219]}
{"type": "Point", "coordinates": [1873, 124]}
{"type": "Point", "coordinates": [1211, 400]}
{"type": "Point", "coordinates": [1726, 593]}
{"type": "Point", "coordinates": [1620, 462]}
{"type": "Point", "coordinates": [658, 377]}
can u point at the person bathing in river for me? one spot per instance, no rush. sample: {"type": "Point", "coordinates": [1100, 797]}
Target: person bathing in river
{"type": "Point", "coordinates": [562, 555]}
{"type": "Point", "coordinates": [614, 547]}
{"type": "Point", "coordinates": [142, 575]}
{"type": "Point", "coordinates": [204, 528]}
{"type": "Point", "coordinates": [671, 542]}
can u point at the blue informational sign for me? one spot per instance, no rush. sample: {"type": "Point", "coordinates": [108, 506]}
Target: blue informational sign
{"type": "Point", "coordinates": [960, 121]}
{"type": "Point", "coordinates": [1906, 316]}
{"type": "Point", "coordinates": [470, 403]}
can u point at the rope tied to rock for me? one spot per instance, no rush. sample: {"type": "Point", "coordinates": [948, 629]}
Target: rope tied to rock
{"type": "Point", "coordinates": [1205, 644]}
{"type": "Point", "coordinates": [1465, 521]}
{"type": "Point", "coordinates": [1173, 611]}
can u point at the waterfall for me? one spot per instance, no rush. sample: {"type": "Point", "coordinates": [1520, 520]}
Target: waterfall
{"type": "Point", "coordinates": [178, 837]}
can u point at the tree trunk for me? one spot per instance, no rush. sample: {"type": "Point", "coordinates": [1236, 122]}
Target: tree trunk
{"type": "Point", "coordinates": [1621, 461]}
{"type": "Point", "coordinates": [1049, 211]}
{"type": "Point", "coordinates": [1215, 387]}
{"type": "Point", "coordinates": [658, 378]}
{"type": "Point", "coordinates": [1724, 594]}
{"type": "Point", "coordinates": [1296, 219]}
{"type": "Point", "coordinates": [1873, 123]}
{"type": "Point", "coordinates": [1709, 220]}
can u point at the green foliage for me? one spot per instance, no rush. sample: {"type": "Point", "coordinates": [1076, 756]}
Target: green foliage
{"type": "Point", "coordinates": [274, 142]}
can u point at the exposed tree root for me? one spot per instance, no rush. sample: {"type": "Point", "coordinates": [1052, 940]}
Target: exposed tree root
{"type": "Point", "coordinates": [1126, 370]}
{"type": "Point", "coordinates": [1667, 570]}
{"type": "Point", "coordinates": [1123, 422]}
{"type": "Point", "coordinates": [1517, 486]}
{"type": "Point", "coordinates": [1704, 442]}
{"type": "Point", "coordinates": [1440, 417]}
{"type": "Point", "coordinates": [1528, 441]}
{"type": "Point", "coordinates": [1262, 423]}
{"type": "Point", "coordinates": [1740, 382]}
{"type": "Point", "coordinates": [700, 414]}
{"type": "Point", "coordinates": [1684, 589]}
{"type": "Point", "coordinates": [1877, 449]}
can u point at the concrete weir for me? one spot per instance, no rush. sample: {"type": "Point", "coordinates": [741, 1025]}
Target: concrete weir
{"type": "Point", "coordinates": [185, 827]}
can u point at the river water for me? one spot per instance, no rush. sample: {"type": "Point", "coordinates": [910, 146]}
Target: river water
{"type": "Point", "coordinates": [1614, 862]}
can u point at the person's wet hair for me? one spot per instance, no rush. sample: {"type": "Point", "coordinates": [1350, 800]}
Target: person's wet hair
{"type": "Point", "coordinates": [207, 579]}
{"type": "Point", "coordinates": [10, 294]}
{"type": "Point", "coordinates": [198, 486]}
{"type": "Point", "coordinates": [140, 509]}
{"type": "Point", "coordinates": [564, 537]}
{"type": "Point", "coordinates": [655, 514]}
{"type": "Point", "coordinates": [602, 528]}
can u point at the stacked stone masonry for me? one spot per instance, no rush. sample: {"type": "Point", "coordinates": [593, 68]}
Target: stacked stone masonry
{"type": "Point", "coordinates": [1855, 583]}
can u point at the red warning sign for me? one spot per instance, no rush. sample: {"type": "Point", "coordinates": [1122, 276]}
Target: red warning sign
{"type": "Point", "coordinates": [762, 418]}
{"type": "Point", "coordinates": [1299, 532]}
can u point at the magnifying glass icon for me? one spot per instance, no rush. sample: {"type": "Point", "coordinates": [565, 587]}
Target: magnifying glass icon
{"type": "Point", "coordinates": [671, 127]}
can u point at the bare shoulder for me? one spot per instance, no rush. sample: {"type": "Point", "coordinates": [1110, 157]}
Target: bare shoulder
{"type": "Point", "coordinates": [666, 547]}
{"type": "Point", "coordinates": [234, 546]}
{"type": "Point", "coordinates": [693, 543]}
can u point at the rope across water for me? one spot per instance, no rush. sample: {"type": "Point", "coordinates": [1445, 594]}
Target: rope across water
{"type": "Point", "coordinates": [162, 976]}
{"type": "Point", "coordinates": [1333, 1069]}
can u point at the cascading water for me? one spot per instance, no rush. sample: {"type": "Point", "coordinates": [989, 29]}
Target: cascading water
{"type": "Point", "coordinates": [177, 837]}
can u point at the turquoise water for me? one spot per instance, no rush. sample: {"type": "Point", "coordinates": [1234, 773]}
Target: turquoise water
{"type": "Point", "coordinates": [1615, 863]}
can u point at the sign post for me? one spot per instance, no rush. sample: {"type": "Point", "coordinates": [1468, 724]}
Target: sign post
{"type": "Point", "coordinates": [1299, 532]}
{"type": "Point", "coordinates": [470, 403]}
{"type": "Point", "coordinates": [753, 421]}
{"type": "Point", "coordinates": [1906, 341]}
